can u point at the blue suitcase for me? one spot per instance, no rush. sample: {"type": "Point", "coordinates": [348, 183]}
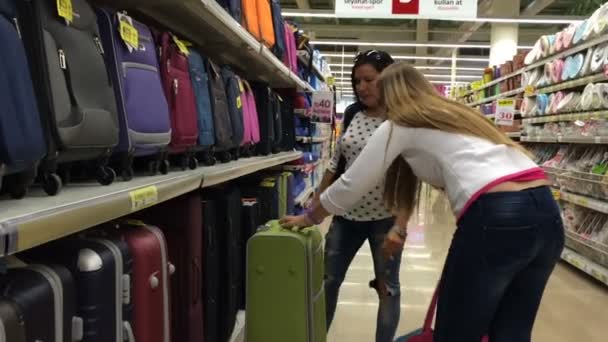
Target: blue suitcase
{"type": "Point", "coordinates": [200, 85]}
{"type": "Point", "coordinates": [22, 142]}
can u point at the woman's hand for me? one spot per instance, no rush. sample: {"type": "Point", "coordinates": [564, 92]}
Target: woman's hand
{"type": "Point", "coordinates": [393, 244]}
{"type": "Point", "coordinates": [297, 222]}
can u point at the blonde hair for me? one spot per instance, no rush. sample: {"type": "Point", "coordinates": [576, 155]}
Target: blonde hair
{"type": "Point", "coordinates": [411, 100]}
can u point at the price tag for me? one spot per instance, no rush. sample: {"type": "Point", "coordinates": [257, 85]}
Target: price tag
{"type": "Point", "coordinates": [556, 194]}
{"type": "Point", "coordinates": [476, 85]}
{"type": "Point", "coordinates": [322, 106]}
{"type": "Point", "coordinates": [144, 197]}
{"type": "Point", "coordinates": [241, 86]}
{"type": "Point", "coordinates": [505, 112]}
{"type": "Point", "coordinates": [529, 90]}
{"type": "Point", "coordinates": [129, 34]}
{"type": "Point", "coordinates": [239, 104]}
{"type": "Point", "coordinates": [64, 9]}
{"type": "Point", "coordinates": [181, 46]}
{"type": "Point", "coordinates": [582, 201]}
{"type": "Point", "coordinates": [331, 81]}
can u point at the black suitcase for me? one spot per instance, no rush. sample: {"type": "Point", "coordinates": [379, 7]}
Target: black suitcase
{"type": "Point", "coordinates": [46, 298]}
{"type": "Point", "coordinates": [11, 320]}
{"type": "Point", "coordinates": [264, 102]}
{"type": "Point", "coordinates": [276, 102]}
{"type": "Point", "coordinates": [102, 269]}
{"type": "Point", "coordinates": [251, 222]}
{"type": "Point", "coordinates": [221, 112]}
{"type": "Point", "coordinates": [267, 193]}
{"type": "Point", "coordinates": [211, 275]}
{"type": "Point", "coordinates": [73, 88]}
{"type": "Point", "coordinates": [288, 129]}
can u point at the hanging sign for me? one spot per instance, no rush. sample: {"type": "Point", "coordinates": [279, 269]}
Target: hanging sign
{"type": "Point", "coordinates": [505, 112]}
{"type": "Point", "coordinates": [420, 9]}
{"type": "Point", "coordinates": [322, 106]}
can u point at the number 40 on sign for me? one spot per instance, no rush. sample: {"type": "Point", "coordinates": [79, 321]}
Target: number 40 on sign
{"type": "Point", "coordinates": [505, 112]}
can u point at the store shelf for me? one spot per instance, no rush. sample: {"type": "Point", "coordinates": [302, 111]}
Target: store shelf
{"type": "Point", "coordinates": [579, 82]}
{"type": "Point", "coordinates": [600, 114]}
{"type": "Point", "coordinates": [39, 218]}
{"type": "Point", "coordinates": [304, 196]}
{"type": "Point", "coordinates": [584, 264]}
{"type": "Point", "coordinates": [224, 172]}
{"type": "Point", "coordinates": [496, 97]}
{"type": "Point", "coordinates": [513, 134]}
{"type": "Point", "coordinates": [573, 140]}
{"type": "Point", "coordinates": [541, 63]}
{"type": "Point", "coordinates": [584, 201]}
{"type": "Point", "coordinates": [313, 140]}
{"type": "Point", "coordinates": [207, 25]}
{"type": "Point", "coordinates": [301, 167]}
{"type": "Point", "coordinates": [304, 58]}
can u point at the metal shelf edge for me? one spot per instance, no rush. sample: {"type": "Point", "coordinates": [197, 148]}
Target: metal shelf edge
{"type": "Point", "coordinates": [582, 263]}
{"type": "Point", "coordinates": [584, 201]}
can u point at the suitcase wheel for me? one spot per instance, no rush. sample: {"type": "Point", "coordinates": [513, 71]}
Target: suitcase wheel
{"type": "Point", "coordinates": [127, 174]}
{"type": "Point", "coordinates": [208, 159]}
{"type": "Point", "coordinates": [164, 166]}
{"type": "Point", "coordinates": [51, 183]}
{"type": "Point", "coordinates": [153, 167]}
{"type": "Point", "coordinates": [225, 157]}
{"type": "Point", "coordinates": [192, 163]}
{"type": "Point", "coordinates": [105, 175]}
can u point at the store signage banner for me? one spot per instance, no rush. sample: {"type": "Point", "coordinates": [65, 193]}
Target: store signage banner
{"type": "Point", "coordinates": [422, 9]}
{"type": "Point", "coordinates": [505, 112]}
{"type": "Point", "coordinates": [322, 106]}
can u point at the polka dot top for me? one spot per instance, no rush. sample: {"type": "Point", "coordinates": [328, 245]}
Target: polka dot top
{"type": "Point", "coordinates": [350, 144]}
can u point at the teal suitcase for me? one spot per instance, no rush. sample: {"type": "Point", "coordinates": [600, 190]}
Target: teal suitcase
{"type": "Point", "coordinates": [285, 287]}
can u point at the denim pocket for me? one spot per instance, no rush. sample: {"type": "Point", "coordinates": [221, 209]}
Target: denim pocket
{"type": "Point", "coordinates": [509, 246]}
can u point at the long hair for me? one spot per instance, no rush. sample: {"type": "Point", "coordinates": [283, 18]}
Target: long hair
{"type": "Point", "coordinates": [378, 59]}
{"type": "Point", "coordinates": [412, 101]}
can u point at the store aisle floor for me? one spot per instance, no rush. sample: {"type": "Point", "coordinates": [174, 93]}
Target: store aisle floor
{"type": "Point", "coordinates": [573, 308]}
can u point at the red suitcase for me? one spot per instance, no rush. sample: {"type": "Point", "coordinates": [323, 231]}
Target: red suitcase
{"type": "Point", "coordinates": [181, 221]}
{"type": "Point", "coordinates": [151, 271]}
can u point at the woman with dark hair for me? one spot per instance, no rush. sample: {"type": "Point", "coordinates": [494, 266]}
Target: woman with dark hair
{"type": "Point", "coordinates": [369, 219]}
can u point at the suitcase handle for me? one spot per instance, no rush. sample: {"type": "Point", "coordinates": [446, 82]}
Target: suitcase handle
{"type": "Point", "coordinates": [129, 336]}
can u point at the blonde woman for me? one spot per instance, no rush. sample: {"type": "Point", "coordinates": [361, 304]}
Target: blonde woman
{"type": "Point", "coordinates": [510, 234]}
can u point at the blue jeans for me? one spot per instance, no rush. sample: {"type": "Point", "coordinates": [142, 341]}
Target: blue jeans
{"type": "Point", "coordinates": [343, 240]}
{"type": "Point", "coordinates": [500, 260]}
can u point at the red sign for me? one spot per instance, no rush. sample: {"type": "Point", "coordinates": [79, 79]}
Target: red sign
{"type": "Point", "coordinates": [406, 6]}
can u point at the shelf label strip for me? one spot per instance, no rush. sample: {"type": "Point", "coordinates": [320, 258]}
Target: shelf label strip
{"type": "Point", "coordinates": [143, 198]}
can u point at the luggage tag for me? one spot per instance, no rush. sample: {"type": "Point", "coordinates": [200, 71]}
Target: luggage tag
{"type": "Point", "coordinates": [128, 32]}
{"type": "Point", "coordinates": [182, 45]}
{"type": "Point", "coordinates": [65, 10]}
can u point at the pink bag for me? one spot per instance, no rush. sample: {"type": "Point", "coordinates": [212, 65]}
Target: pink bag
{"type": "Point", "coordinates": [290, 58]}
{"type": "Point", "coordinates": [251, 131]}
{"type": "Point", "coordinates": [426, 333]}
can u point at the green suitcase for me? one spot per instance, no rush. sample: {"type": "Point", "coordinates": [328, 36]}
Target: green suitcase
{"type": "Point", "coordinates": [285, 287]}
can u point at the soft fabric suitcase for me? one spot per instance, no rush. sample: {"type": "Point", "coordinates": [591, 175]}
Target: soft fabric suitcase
{"type": "Point", "coordinates": [21, 139]}
{"type": "Point", "coordinates": [233, 7]}
{"type": "Point", "coordinates": [288, 121]}
{"type": "Point", "coordinates": [251, 131]}
{"type": "Point", "coordinates": [293, 283]}
{"type": "Point", "coordinates": [177, 84]}
{"type": "Point", "coordinates": [11, 321]}
{"type": "Point", "coordinates": [265, 20]}
{"type": "Point", "coordinates": [200, 84]}
{"type": "Point", "coordinates": [221, 112]}
{"type": "Point", "coordinates": [235, 106]}
{"type": "Point", "coordinates": [181, 221]}
{"type": "Point", "coordinates": [264, 100]}
{"type": "Point", "coordinates": [279, 29]}
{"type": "Point", "coordinates": [212, 273]}
{"type": "Point", "coordinates": [43, 291]}
{"type": "Point", "coordinates": [290, 58]}
{"type": "Point", "coordinates": [150, 295]}
{"type": "Point", "coordinates": [251, 222]}
{"type": "Point", "coordinates": [229, 227]}
{"type": "Point", "coordinates": [266, 191]}
{"type": "Point", "coordinates": [277, 117]}
{"type": "Point", "coordinates": [143, 112]}
{"type": "Point", "coordinates": [250, 18]}
{"type": "Point", "coordinates": [73, 87]}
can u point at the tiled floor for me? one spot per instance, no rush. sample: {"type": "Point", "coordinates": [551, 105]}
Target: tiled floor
{"type": "Point", "coordinates": [574, 307]}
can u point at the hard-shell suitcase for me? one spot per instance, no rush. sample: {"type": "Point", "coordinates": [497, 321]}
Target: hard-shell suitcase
{"type": "Point", "coordinates": [21, 139]}
{"type": "Point", "coordinates": [235, 105]}
{"type": "Point", "coordinates": [293, 284]}
{"type": "Point", "coordinates": [228, 220]}
{"type": "Point", "coordinates": [221, 113]}
{"type": "Point", "coordinates": [250, 18]}
{"type": "Point", "coordinates": [73, 87]}
{"type": "Point", "coordinates": [200, 84]}
{"type": "Point", "coordinates": [264, 100]}
{"type": "Point", "coordinates": [151, 269]}
{"type": "Point", "coordinates": [177, 84]}
{"type": "Point", "coordinates": [211, 275]}
{"type": "Point", "coordinates": [101, 268]}
{"type": "Point", "coordinates": [290, 58]}
{"type": "Point", "coordinates": [279, 29]}
{"type": "Point", "coordinates": [251, 135]}
{"type": "Point", "coordinates": [143, 112]}
{"type": "Point", "coordinates": [265, 19]}
{"type": "Point", "coordinates": [286, 199]}
{"type": "Point", "coordinates": [43, 291]}
{"type": "Point", "coordinates": [181, 221]}
{"type": "Point", "coordinates": [11, 321]}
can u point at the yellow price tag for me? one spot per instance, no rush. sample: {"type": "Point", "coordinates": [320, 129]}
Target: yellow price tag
{"type": "Point", "coordinates": [529, 90]}
{"type": "Point", "coordinates": [556, 194]}
{"type": "Point", "coordinates": [241, 86]}
{"type": "Point", "coordinates": [239, 104]}
{"type": "Point", "coordinates": [64, 9]}
{"type": "Point", "coordinates": [144, 197]}
{"type": "Point", "coordinates": [331, 81]}
{"type": "Point", "coordinates": [476, 85]}
{"type": "Point", "coordinates": [181, 46]}
{"type": "Point", "coordinates": [129, 34]}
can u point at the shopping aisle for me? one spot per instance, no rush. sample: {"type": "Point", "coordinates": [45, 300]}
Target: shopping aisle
{"type": "Point", "coordinates": [573, 307]}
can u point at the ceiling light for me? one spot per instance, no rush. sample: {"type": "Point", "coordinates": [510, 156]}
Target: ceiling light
{"type": "Point", "coordinates": [417, 67]}
{"type": "Point", "coordinates": [449, 76]}
{"type": "Point", "coordinates": [519, 20]}
{"type": "Point", "coordinates": [430, 58]}
{"type": "Point", "coordinates": [408, 44]}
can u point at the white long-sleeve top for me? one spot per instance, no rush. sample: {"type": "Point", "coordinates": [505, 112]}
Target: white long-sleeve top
{"type": "Point", "coordinates": [464, 166]}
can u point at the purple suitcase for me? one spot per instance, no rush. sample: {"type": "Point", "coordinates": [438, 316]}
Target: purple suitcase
{"type": "Point", "coordinates": [145, 127]}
